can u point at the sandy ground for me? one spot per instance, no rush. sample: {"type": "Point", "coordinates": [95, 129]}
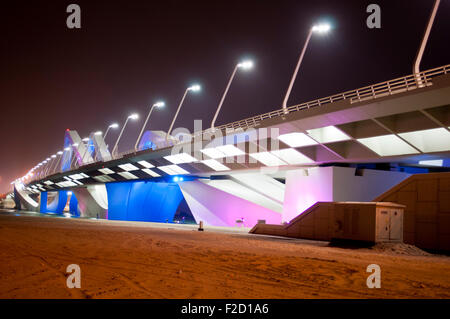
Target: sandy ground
{"type": "Point", "coordinates": [128, 261]}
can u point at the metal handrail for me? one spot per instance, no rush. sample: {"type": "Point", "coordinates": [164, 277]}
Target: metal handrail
{"type": "Point", "coordinates": [391, 87]}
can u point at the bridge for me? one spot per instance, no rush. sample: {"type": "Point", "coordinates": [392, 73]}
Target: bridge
{"type": "Point", "coordinates": [268, 167]}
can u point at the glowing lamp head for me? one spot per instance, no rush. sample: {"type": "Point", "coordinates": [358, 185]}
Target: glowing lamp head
{"type": "Point", "coordinates": [246, 65]}
{"type": "Point", "coordinates": [59, 153]}
{"type": "Point", "coordinates": [133, 116]}
{"type": "Point", "coordinates": [194, 88]}
{"type": "Point", "coordinates": [86, 139]}
{"type": "Point", "coordinates": [321, 28]}
{"type": "Point", "coordinates": [54, 155]}
{"type": "Point", "coordinates": [75, 144]}
{"type": "Point", "coordinates": [159, 104]}
{"type": "Point", "coordinates": [114, 125]}
{"type": "Point", "coordinates": [47, 159]}
{"type": "Point", "coordinates": [98, 133]}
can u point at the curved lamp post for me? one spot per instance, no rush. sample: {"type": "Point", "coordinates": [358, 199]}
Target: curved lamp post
{"type": "Point", "coordinates": [132, 117]}
{"type": "Point", "coordinates": [157, 105]}
{"type": "Point", "coordinates": [320, 28]}
{"type": "Point", "coordinates": [193, 88]}
{"type": "Point", "coordinates": [245, 65]}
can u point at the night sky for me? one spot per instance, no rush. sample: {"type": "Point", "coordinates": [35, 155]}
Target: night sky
{"type": "Point", "coordinates": [128, 54]}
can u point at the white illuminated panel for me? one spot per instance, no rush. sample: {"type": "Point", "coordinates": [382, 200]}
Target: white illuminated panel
{"type": "Point", "coordinates": [433, 140]}
{"type": "Point", "coordinates": [213, 153]}
{"type": "Point", "coordinates": [230, 150]}
{"type": "Point", "coordinates": [291, 156]}
{"type": "Point", "coordinates": [48, 183]}
{"type": "Point", "coordinates": [106, 171]}
{"type": "Point", "coordinates": [146, 164]}
{"type": "Point", "coordinates": [38, 185]}
{"type": "Point", "coordinates": [78, 182]}
{"type": "Point", "coordinates": [432, 162]}
{"type": "Point", "coordinates": [128, 167]}
{"type": "Point", "coordinates": [150, 172]}
{"type": "Point", "coordinates": [387, 145]}
{"type": "Point", "coordinates": [67, 178]}
{"type": "Point", "coordinates": [328, 134]}
{"type": "Point", "coordinates": [66, 184]}
{"type": "Point", "coordinates": [76, 176]}
{"type": "Point", "coordinates": [296, 139]}
{"type": "Point", "coordinates": [84, 175]}
{"type": "Point", "coordinates": [180, 158]}
{"type": "Point", "coordinates": [127, 175]}
{"type": "Point", "coordinates": [268, 159]}
{"type": "Point", "coordinates": [173, 170]}
{"type": "Point", "coordinates": [215, 165]}
{"type": "Point", "coordinates": [104, 178]}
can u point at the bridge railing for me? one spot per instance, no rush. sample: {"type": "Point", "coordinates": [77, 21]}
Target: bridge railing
{"type": "Point", "coordinates": [374, 91]}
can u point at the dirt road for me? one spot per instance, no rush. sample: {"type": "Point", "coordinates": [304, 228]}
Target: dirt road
{"type": "Point", "coordinates": [146, 262]}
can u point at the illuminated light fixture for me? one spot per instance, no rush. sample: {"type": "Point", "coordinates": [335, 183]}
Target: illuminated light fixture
{"type": "Point", "coordinates": [194, 88]}
{"type": "Point", "coordinates": [213, 153]}
{"type": "Point", "coordinates": [47, 159]}
{"type": "Point", "coordinates": [180, 158]}
{"type": "Point", "coordinates": [86, 139]}
{"type": "Point", "coordinates": [76, 176]}
{"type": "Point", "coordinates": [215, 165]}
{"type": "Point", "coordinates": [66, 184]}
{"type": "Point", "coordinates": [114, 125]}
{"type": "Point", "coordinates": [53, 156]}
{"type": "Point", "coordinates": [230, 150]}
{"type": "Point", "coordinates": [104, 178]}
{"type": "Point", "coordinates": [78, 182]}
{"type": "Point", "coordinates": [98, 133]}
{"type": "Point", "coordinates": [39, 185]}
{"type": "Point", "coordinates": [328, 134]}
{"type": "Point", "coordinates": [159, 104]}
{"type": "Point", "coordinates": [59, 153]}
{"type": "Point", "coordinates": [176, 179]}
{"type": "Point", "coordinates": [438, 162]}
{"type": "Point", "coordinates": [145, 164]}
{"type": "Point", "coordinates": [48, 183]}
{"type": "Point", "coordinates": [150, 172]}
{"type": "Point", "coordinates": [67, 149]}
{"type": "Point", "coordinates": [246, 64]}
{"type": "Point", "coordinates": [292, 157]}
{"type": "Point", "coordinates": [128, 167]}
{"type": "Point", "coordinates": [127, 175]}
{"type": "Point", "coordinates": [432, 140]}
{"type": "Point", "coordinates": [75, 144]}
{"type": "Point", "coordinates": [321, 28]}
{"type": "Point", "coordinates": [387, 145]}
{"type": "Point", "coordinates": [296, 139]}
{"type": "Point", "coordinates": [173, 170]}
{"type": "Point", "coordinates": [84, 175]}
{"type": "Point", "coordinates": [267, 159]}
{"type": "Point", "coordinates": [106, 171]}
{"type": "Point", "coordinates": [67, 178]}
{"type": "Point", "coordinates": [69, 193]}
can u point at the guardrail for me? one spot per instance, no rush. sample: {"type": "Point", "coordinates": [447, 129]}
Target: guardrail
{"type": "Point", "coordinates": [391, 87]}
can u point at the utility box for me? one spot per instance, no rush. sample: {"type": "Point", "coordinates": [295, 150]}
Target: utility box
{"type": "Point", "coordinates": [372, 222]}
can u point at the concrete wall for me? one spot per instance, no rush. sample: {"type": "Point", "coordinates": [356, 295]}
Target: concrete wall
{"type": "Point", "coordinates": [305, 187]}
{"type": "Point", "coordinates": [427, 214]}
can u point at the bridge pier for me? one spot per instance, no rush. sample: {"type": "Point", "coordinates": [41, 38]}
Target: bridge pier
{"type": "Point", "coordinates": [305, 187]}
{"type": "Point", "coordinates": [56, 206]}
{"type": "Point", "coordinates": [143, 201]}
{"type": "Point", "coordinates": [92, 201]}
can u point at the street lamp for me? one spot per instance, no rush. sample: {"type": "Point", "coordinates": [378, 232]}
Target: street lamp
{"type": "Point", "coordinates": [245, 65]}
{"type": "Point", "coordinates": [319, 28]}
{"type": "Point", "coordinates": [159, 104]}
{"type": "Point", "coordinates": [59, 160]}
{"type": "Point", "coordinates": [114, 126]}
{"type": "Point", "coordinates": [132, 117]}
{"type": "Point", "coordinates": [193, 88]}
